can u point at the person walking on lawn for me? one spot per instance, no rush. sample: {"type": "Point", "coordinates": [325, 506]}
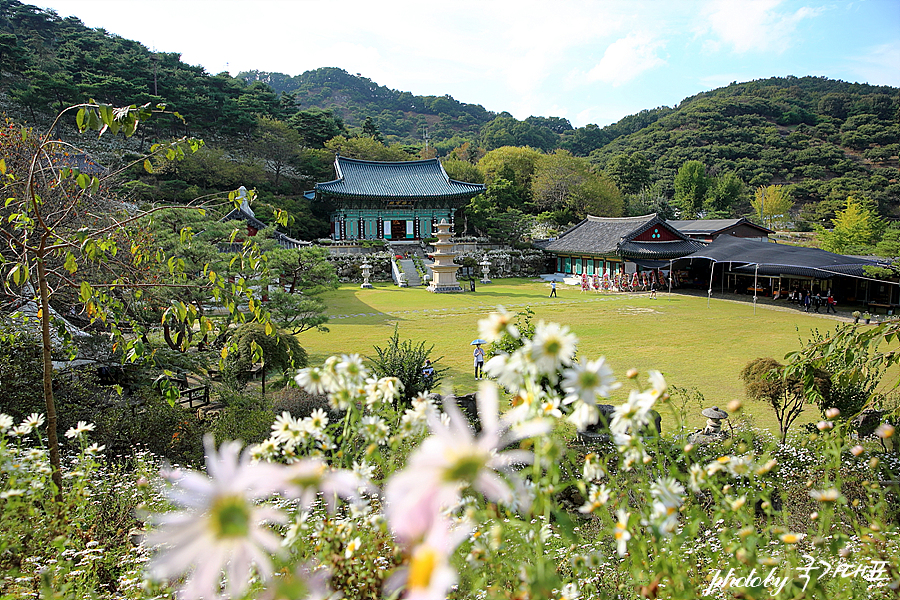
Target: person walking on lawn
{"type": "Point", "coordinates": [552, 289]}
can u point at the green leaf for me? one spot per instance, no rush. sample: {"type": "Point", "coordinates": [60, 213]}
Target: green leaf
{"type": "Point", "coordinates": [19, 274]}
{"type": "Point", "coordinates": [79, 119]}
{"type": "Point", "coordinates": [2, 166]}
{"type": "Point", "coordinates": [86, 292]}
{"type": "Point", "coordinates": [70, 264]}
{"type": "Point", "coordinates": [83, 181]}
{"type": "Point", "coordinates": [148, 166]}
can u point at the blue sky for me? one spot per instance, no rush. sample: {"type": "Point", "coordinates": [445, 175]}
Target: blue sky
{"type": "Point", "coordinates": [587, 61]}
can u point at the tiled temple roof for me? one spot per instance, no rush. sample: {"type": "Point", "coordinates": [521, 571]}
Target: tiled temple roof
{"type": "Point", "coordinates": [615, 235]}
{"type": "Point", "coordinates": [711, 226]}
{"type": "Point", "coordinates": [395, 180]}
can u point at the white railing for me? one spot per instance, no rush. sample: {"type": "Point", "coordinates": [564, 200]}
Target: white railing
{"type": "Point", "coordinates": [397, 274]}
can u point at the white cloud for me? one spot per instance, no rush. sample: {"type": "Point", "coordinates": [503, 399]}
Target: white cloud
{"type": "Point", "coordinates": [879, 65]}
{"type": "Point", "coordinates": [753, 25]}
{"type": "Point", "coordinates": [626, 58]}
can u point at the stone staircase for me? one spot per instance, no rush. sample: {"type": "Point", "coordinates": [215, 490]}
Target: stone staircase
{"type": "Point", "coordinates": [409, 271]}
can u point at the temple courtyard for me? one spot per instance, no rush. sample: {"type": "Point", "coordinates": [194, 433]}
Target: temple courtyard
{"type": "Point", "coordinates": [693, 345]}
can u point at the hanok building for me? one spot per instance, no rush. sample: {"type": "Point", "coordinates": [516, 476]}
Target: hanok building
{"type": "Point", "coordinates": [598, 245]}
{"type": "Point", "coordinates": [254, 226]}
{"type": "Point", "coordinates": [706, 230]}
{"type": "Point", "coordinates": [392, 200]}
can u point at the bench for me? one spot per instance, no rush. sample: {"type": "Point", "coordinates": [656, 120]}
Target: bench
{"type": "Point", "coordinates": [888, 308]}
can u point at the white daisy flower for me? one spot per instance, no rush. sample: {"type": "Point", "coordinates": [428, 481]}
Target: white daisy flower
{"type": "Point", "coordinates": [696, 476]}
{"type": "Point", "coordinates": [453, 458]}
{"type": "Point", "coordinates": [94, 449]}
{"type": "Point", "coordinates": [551, 348]}
{"type": "Point", "coordinates": [312, 379]}
{"type": "Point", "coordinates": [222, 526]}
{"type": "Point", "coordinates": [587, 380]}
{"type": "Point", "coordinates": [318, 420]}
{"type": "Point", "coordinates": [598, 496]}
{"type": "Point", "coordinates": [34, 420]}
{"type": "Point", "coordinates": [593, 469]}
{"type": "Point", "coordinates": [634, 414]}
{"type": "Point", "coordinates": [496, 324]}
{"type": "Point", "coordinates": [352, 546]}
{"type": "Point", "coordinates": [621, 533]}
{"type": "Point", "coordinates": [6, 422]}
{"type": "Point", "coordinates": [80, 429]}
{"type": "Point", "coordinates": [374, 430]}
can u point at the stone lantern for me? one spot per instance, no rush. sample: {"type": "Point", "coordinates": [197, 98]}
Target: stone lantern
{"type": "Point", "coordinates": [367, 272]}
{"type": "Point", "coordinates": [713, 431]}
{"type": "Point", "coordinates": [714, 418]}
{"type": "Point", "coordinates": [485, 270]}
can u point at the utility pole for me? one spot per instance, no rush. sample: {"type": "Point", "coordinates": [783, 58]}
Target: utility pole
{"type": "Point", "coordinates": [155, 60]}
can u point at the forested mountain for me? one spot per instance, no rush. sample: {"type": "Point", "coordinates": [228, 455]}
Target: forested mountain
{"type": "Point", "coordinates": [823, 140]}
{"type": "Point", "coordinates": [399, 116]}
{"type": "Point", "coordinates": [48, 63]}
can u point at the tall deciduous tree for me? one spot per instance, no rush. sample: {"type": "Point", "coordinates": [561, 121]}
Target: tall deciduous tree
{"type": "Point", "coordinates": [691, 185]}
{"type": "Point", "coordinates": [366, 148]}
{"type": "Point", "coordinates": [772, 205]}
{"type": "Point", "coordinates": [724, 195]}
{"type": "Point", "coordinates": [630, 172]}
{"type": "Point", "coordinates": [64, 230]}
{"type": "Point", "coordinates": [277, 144]}
{"type": "Point", "coordinates": [855, 229]}
{"type": "Point", "coordinates": [514, 164]}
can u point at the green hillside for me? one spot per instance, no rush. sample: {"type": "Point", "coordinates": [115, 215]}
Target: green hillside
{"type": "Point", "coordinates": [399, 116]}
{"type": "Point", "coordinates": [825, 138]}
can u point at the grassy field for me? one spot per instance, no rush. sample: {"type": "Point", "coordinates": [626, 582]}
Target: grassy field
{"type": "Point", "coordinates": [694, 346]}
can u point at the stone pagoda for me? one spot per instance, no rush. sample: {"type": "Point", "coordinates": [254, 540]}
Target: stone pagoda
{"type": "Point", "coordinates": [444, 268]}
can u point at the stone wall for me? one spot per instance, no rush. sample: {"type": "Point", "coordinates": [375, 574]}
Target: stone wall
{"type": "Point", "coordinates": [349, 266]}
{"type": "Point", "coordinates": [512, 263]}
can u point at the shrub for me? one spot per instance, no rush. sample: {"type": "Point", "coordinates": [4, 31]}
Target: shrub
{"type": "Point", "coordinates": [765, 380]}
{"type": "Point", "coordinates": [145, 419]}
{"type": "Point", "coordinates": [404, 360]}
{"type": "Point", "coordinates": [301, 404]}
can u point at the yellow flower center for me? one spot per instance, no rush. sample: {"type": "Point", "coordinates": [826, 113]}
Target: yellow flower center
{"type": "Point", "coordinates": [421, 567]}
{"type": "Point", "coordinates": [552, 346]}
{"type": "Point", "coordinates": [230, 517]}
{"type": "Point", "coordinates": [465, 467]}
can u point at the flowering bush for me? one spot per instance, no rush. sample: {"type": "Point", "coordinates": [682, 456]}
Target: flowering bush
{"type": "Point", "coordinates": [511, 263]}
{"type": "Point", "coordinates": [424, 502]}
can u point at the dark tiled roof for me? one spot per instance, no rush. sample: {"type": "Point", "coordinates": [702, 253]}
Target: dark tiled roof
{"type": "Point", "coordinates": [613, 235]}
{"type": "Point", "coordinates": [658, 250]}
{"type": "Point", "coordinates": [239, 215]}
{"type": "Point", "coordinates": [777, 259]}
{"type": "Point", "coordinates": [711, 226]}
{"type": "Point", "coordinates": [410, 179]}
{"type": "Point", "coordinates": [281, 239]}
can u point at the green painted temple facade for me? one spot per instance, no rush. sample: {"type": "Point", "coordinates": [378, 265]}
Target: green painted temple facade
{"type": "Point", "coordinates": [392, 200]}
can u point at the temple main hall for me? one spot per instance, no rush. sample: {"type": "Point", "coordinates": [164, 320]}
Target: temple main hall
{"type": "Point", "coordinates": [392, 200]}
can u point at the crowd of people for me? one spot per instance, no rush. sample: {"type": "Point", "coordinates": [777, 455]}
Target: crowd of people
{"type": "Point", "coordinates": [807, 300]}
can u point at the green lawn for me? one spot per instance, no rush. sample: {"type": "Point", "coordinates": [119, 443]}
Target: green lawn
{"type": "Point", "coordinates": [693, 346]}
